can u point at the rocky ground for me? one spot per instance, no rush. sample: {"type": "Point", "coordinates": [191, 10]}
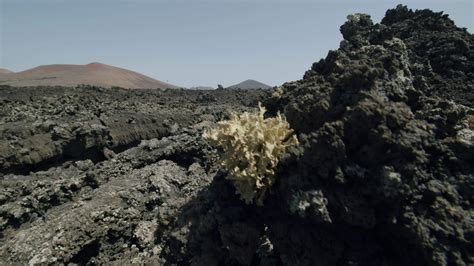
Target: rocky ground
{"type": "Point", "coordinates": [40, 127]}
{"type": "Point", "coordinates": [69, 152]}
{"type": "Point", "coordinates": [383, 175]}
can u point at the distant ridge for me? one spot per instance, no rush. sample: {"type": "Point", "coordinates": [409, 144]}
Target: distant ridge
{"type": "Point", "coordinates": [5, 71]}
{"type": "Point", "coordinates": [250, 84]}
{"type": "Point", "coordinates": [202, 88]}
{"type": "Point", "coordinates": [96, 74]}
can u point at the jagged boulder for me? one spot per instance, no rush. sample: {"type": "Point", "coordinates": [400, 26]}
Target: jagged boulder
{"type": "Point", "coordinates": [386, 159]}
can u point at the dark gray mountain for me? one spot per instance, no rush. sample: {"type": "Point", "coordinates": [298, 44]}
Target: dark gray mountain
{"type": "Point", "coordinates": [250, 84]}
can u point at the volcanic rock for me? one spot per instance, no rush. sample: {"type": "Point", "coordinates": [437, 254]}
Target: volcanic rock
{"type": "Point", "coordinates": [386, 160]}
{"type": "Point", "coordinates": [383, 175]}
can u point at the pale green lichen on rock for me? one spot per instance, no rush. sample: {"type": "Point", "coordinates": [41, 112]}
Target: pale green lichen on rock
{"type": "Point", "coordinates": [252, 148]}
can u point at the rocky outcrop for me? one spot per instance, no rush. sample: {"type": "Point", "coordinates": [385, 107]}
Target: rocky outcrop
{"type": "Point", "coordinates": [386, 156]}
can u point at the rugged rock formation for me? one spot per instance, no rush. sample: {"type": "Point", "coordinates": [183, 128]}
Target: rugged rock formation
{"type": "Point", "coordinates": [385, 172]}
{"type": "Point", "coordinates": [40, 127]}
{"type": "Point", "coordinates": [383, 175]}
{"type": "Point", "coordinates": [80, 202]}
{"type": "Point", "coordinates": [83, 212]}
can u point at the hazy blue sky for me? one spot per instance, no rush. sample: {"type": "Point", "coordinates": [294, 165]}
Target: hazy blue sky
{"type": "Point", "coordinates": [189, 43]}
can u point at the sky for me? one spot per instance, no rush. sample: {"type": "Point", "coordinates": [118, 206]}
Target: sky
{"type": "Point", "coordinates": [190, 43]}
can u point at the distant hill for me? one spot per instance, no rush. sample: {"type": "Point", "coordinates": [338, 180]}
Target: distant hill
{"type": "Point", "coordinates": [250, 84]}
{"type": "Point", "coordinates": [96, 74]}
{"type": "Point", "coordinates": [202, 88]}
{"type": "Point", "coordinates": [5, 71]}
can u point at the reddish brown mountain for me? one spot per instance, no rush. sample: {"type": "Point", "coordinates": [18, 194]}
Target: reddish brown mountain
{"type": "Point", "coordinates": [96, 74]}
{"type": "Point", "coordinates": [5, 71]}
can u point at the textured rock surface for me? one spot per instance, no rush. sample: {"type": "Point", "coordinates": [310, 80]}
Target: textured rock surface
{"type": "Point", "coordinates": [383, 175]}
{"type": "Point", "coordinates": [43, 126]}
{"type": "Point", "coordinates": [100, 212]}
{"type": "Point", "coordinates": [386, 159]}
{"type": "Point", "coordinates": [81, 199]}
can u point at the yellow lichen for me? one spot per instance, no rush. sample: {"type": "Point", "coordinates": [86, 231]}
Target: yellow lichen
{"type": "Point", "coordinates": [470, 121]}
{"type": "Point", "coordinates": [278, 92]}
{"type": "Point", "coordinates": [252, 147]}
